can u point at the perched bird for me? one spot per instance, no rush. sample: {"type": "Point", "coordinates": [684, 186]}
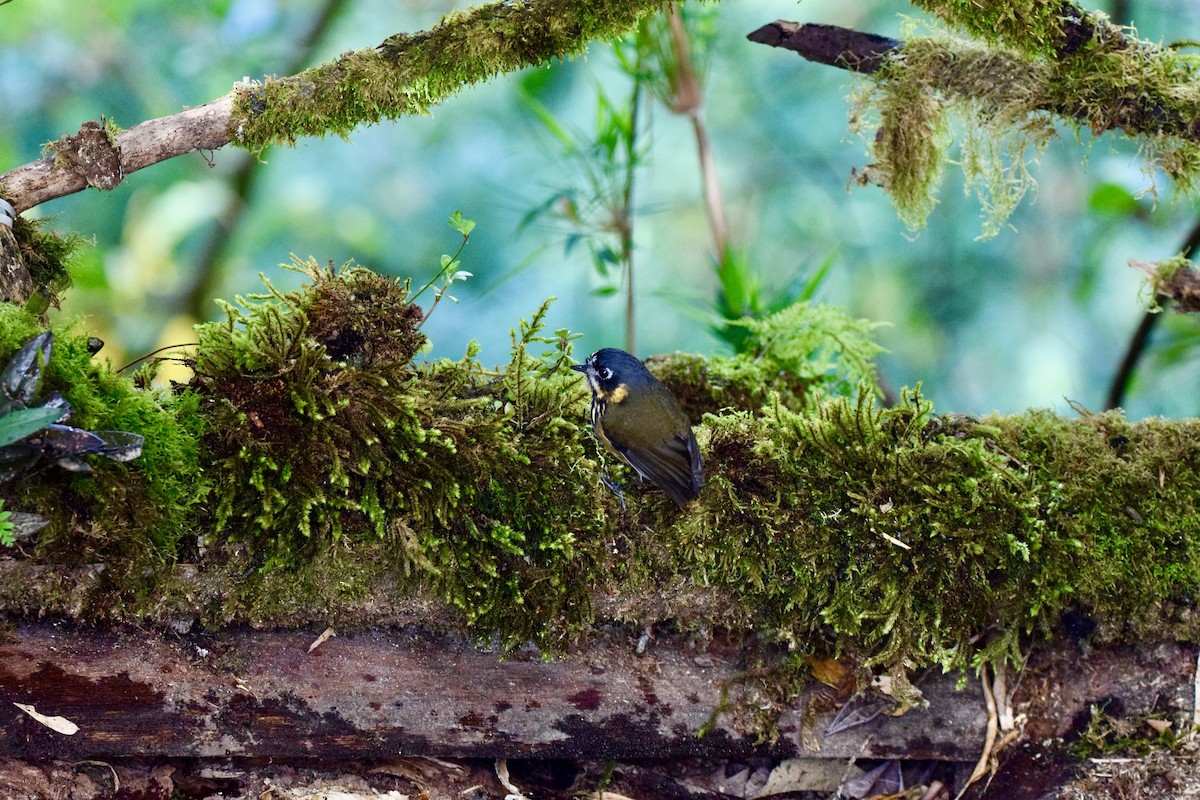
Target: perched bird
{"type": "Point", "coordinates": [641, 423]}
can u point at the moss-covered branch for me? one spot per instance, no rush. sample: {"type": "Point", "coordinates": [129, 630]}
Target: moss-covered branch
{"type": "Point", "coordinates": [1175, 279]}
{"type": "Point", "coordinates": [1054, 28]}
{"type": "Point", "coordinates": [336, 476]}
{"type": "Point", "coordinates": [407, 74]}
{"type": "Point", "coordinates": [1037, 61]}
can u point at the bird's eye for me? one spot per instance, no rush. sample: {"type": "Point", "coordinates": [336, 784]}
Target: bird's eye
{"type": "Point", "coordinates": [605, 373]}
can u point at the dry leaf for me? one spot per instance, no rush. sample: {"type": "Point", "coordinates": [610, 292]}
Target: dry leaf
{"type": "Point", "coordinates": [830, 671]}
{"type": "Point", "coordinates": [325, 636]}
{"type": "Point", "coordinates": [57, 724]}
{"type": "Point", "coordinates": [805, 775]}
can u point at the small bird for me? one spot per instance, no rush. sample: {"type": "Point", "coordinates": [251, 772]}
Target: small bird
{"type": "Point", "coordinates": [640, 422]}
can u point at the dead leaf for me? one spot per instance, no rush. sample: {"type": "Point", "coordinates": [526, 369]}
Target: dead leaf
{"type": "Point", "coordinates": [57, 724]}
{"type": "Point", "coordinates": [325, 636]}
{"type": "Point", "coordinates": [829, 671]}
{"type": "Point", "coordinates": [804, 775]}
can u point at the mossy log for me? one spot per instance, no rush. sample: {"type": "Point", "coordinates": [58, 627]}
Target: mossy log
{"type": "Point", "coordinates": [314, 474]}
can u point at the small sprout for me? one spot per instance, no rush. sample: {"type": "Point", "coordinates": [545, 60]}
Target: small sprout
{"type": "Point", "coordinates": [449, 271]}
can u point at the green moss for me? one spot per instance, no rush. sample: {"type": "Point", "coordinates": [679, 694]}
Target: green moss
{"type": "Point", "coordinates": [331, 436]}
{"type": "Point", "coordinates": [45, 254]}
{"type": "Point", "coordinates": [854, 507]}
{"type": "Point", "coordinates": [1040, 27]}
{"type": "Point", "coordinates": [304, 395]}
{"type": "Point", "coordinates": [1127, 528]}
{"type": "Point", "coordinates": [801, 353]}
{"type": "Point", "coordinates": [132, 517]}
{"type": "Point", "coordinates": [351, 481]}
{"type": "Point", "coordinates": [1110, 733]}
{"type": "Point", "coordinates": [408, 74]}
{"type": "Point", "coordinates": [898, 538]}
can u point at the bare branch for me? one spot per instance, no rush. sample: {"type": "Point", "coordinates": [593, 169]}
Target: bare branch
{"type": "Point", "coordinates": [828, 44]}
{"type": "Point", "coordinates": [202, 128]}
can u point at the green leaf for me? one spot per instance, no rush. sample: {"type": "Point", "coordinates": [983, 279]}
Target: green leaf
{"type": "Point", "coordinates": [16, 425]}
{"type": "Point", "coordinates": [607, 255]}
{"type": "Point", "coordinates": [461, 223]}
{"type": "Point", "coordinates": [552, 125]}
{"type": "Point", "coordinates": [1110, 198]}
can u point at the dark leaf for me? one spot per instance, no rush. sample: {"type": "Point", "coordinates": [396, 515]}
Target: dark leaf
{"type": "Point", "coordinates": [63, 441]}
{"type": "Point", "coordinates": [120, 445]}
{"type": "Point", "coordinates": [15, 459]}
{"type": "Point", "coordinates": [22, 376]}
{"type": "Point", "coordinates": [26, 525]}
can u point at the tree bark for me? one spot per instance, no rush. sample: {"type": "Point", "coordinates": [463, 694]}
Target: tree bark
{"type": "Point", "coordinates": [380, 693]}
{"type": "Point", "coordinates": [83, 160]}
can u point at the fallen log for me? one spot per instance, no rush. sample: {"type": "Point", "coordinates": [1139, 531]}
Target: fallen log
{"type": "Point", "coordinates": [381, 693]}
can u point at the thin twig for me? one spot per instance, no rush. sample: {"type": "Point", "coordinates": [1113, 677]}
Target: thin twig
{"type": "Point", "coordinates": [626, 227]}
{"type": "Point", "coordinates": [1139, 343]}
{"type": "Point", "coordinates": [155, 352]}
{"type": "Point", "coordinates": [689, 101]}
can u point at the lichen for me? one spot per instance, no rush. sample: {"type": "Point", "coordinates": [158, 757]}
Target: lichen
{"type": "Point", "coordinates": [1003, 96]}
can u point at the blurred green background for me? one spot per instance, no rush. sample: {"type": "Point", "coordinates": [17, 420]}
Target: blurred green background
{"type": "Point", "coordinates": [1033, 317]}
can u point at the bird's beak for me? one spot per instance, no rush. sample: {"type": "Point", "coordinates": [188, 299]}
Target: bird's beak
{"type": "Point", "coordinates": [579, 367]}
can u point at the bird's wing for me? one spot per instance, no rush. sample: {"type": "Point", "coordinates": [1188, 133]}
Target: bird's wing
{"type": "Point", "coordinates": [673, 464]}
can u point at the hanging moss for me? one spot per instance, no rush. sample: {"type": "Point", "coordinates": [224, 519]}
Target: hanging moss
{"type": "Point", "coordinates": [1002, 99]}
{"type": "Point", "coordinates": [939, 86]}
